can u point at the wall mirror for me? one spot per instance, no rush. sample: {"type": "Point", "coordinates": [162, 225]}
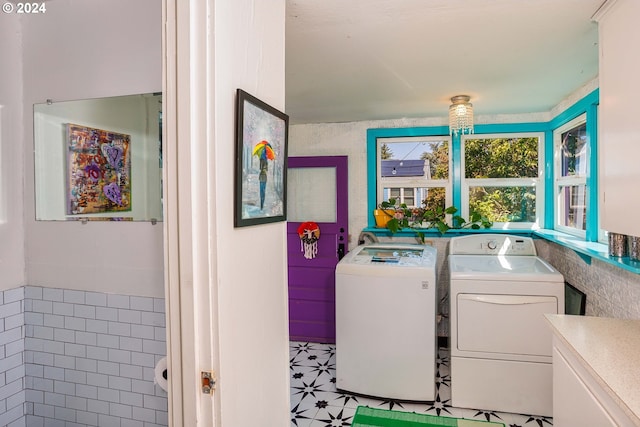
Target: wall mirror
{"type": "Point", "coordinates": [99, 159]}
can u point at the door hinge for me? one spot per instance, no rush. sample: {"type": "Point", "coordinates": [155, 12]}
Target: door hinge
{"type": "Point", "coordinates": [208, 382]}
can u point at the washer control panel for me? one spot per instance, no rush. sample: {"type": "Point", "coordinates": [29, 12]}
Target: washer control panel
{"type": "Point", "coordinates": [492, 244]}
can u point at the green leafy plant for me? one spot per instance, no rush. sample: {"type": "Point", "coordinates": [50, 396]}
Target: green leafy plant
{"type": "Point", "coordinates": [422, 218]}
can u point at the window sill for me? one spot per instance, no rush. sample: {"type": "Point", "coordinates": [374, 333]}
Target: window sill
{"type": "Point", "coordinates": [412, 232]}
{"type": "Point", "coordinates": [585, 250]}
{"type": "Point", "coordinates": [588, 250]}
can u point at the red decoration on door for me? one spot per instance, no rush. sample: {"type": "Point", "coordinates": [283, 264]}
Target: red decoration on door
{"type": "Point", "coordinates": [309, 233]}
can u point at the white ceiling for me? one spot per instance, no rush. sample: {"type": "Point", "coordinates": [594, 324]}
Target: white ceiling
{"type": "Point", "coordinates": [353, 60]}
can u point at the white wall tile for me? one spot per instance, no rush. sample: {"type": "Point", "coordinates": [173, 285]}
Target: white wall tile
{"type": "Point", "coordinates": [132, 344]}
{"type": "Point", "coordinates": [108, 368]}
{"type": "Point", "coordinates": [64, 387]}
{"type": "Point", "coordinates": [108, 395]}
{"type": "Point", "coordinates": [119, 328]}
{"type": "Point", "coordinates": [74, 297]}
{"type": "Point", "coordinates": [52, 294]}
{"type": "Point", "coordinates": [144, 414]}
{"type": "Point", "coordinates": [99, 326]}
{"type": "Point", "coordinates": [85, 311]}
{"type": "Point", "coordinates": [54, 320]}
{"type": "Point", "coordinates": [131, 423]}
{"type": "Point", "coordinates": [159, 305]}
{"type": "Point", "coordinates": [53, 373]}
{"type": "Point", "coordinates": [131, 371]}
{"type": "Point", "coordinates": [87, 391]}
{"type": "Point", "coordinates": [120, 410]}
{"type": "Point", "coordinates": [87, 365]}
{"type": "Point", "coordinates": [118, 301]}
{"type": "Point", "coordinates": [120, 383]}
{"type": "Point", "coordinates": [78, 403]}
{"type": "Point", "coordinates": [76, 350]}
{"type": "Point", "coordinates": [98, 380]}
{"type": "Point", "coordinates": [87, 418]}
{"type": "Point", "coordinates": [143, 359]}
{"type": "Point", "coordinates": [82, 352]}
{"type": "Point", "coordinates": [108, 421]}
{"type": "Point", "coordinates": [33, 292]}
{"type": "Point", "coordinates": [99, 406]}
{"type": "Point", "coordinates": [65, 414]}
{"type": "Point", "coordinates": [129, 316]}
{"type": "Point", "coordinates": [142, 303]}
{"type": "Point", "coordinates": [86, 338]}
{"type": "Point", "coordinates": [75, 376]}
{"type": "Point", "coordinates": [62, 308]}
{"type": "Point", "coordinates": [96, 299]}
{"type": "Point", "coordinates": [43, 410]}
{"type": "Point", "coordinates": [131, 398]}
{"type": "Point", "coordinates": [68, 362]}
{"type": "Point", "coordinates": [143, 331]}
{"type": "Point", "coordinates": [13, 295]}
{"type": "Point", "coordinates": [11, 309]}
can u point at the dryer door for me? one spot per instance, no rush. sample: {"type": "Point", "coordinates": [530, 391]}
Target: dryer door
{"type": "Point", "coordinates": [506, 324]}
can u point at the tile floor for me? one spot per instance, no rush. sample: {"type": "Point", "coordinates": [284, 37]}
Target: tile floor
{"type": "Point", "coordinates": [315, 402]}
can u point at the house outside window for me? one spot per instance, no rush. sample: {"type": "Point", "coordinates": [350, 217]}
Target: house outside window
{"type": "Point", "coordinates": [503, 178]}
{"type": "Point", "coordinates": [414, 171]}
{"type": "Point", "coordinates": [571, 160]}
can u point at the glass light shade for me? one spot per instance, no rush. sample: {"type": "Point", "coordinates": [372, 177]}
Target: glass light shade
{"type": "Point", "coordinates": [460, 115]}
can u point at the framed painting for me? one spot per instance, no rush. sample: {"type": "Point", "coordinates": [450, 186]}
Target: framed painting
{"type": "Point", "coordinates": [261, 162]}
{"type": "Point", "coordinates": [98, 171]}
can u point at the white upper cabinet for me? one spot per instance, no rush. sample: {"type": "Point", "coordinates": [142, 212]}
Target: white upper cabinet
{"type": "Point", "coordinates": [619, 122]}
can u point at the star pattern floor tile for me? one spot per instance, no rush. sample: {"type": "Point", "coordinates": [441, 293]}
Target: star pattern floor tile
{"type": "Point", "coordinates": [315, 401]}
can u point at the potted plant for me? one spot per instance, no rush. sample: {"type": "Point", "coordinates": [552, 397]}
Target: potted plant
{"type": "Point", "coordinates": [399, 216]}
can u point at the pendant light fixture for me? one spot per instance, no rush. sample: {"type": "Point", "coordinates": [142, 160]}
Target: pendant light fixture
{"type": "Point", "coordinates": [460, 115]}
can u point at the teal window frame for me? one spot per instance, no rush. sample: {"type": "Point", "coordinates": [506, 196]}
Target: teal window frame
{"type": "Point", "coordinates": [587, 105]}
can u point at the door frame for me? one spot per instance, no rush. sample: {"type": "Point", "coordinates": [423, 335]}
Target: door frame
{"type": "Point", "coordinates": [186, 46]}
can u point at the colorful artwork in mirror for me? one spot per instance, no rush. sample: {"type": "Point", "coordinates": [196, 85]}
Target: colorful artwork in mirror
{"type": "Point", "coordinates": [98, 171]}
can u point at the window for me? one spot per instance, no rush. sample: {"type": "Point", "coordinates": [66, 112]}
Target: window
{"type": "Point", "coordinates": [570, 148]}
{"type": "Point", "coordinates": [502, 178]}
{"type": "Point", "coordinates": [414, 170]}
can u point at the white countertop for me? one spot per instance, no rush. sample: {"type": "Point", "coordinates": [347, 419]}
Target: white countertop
{"type": "Point", "coordinates": [610, 350]}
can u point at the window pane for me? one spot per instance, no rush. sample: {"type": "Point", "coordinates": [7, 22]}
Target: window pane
{"type": "Point", "coordinates": [504, 204]}
{"type": "Point", "coordinates": [574, 151]}
{"type": "Point", "coordinates": [435, 197]}
{"type": "Point", "coordinates": [303, 187]}
{"type": "Point", "coordinates": [417, 197]}
{"type": "Point", "coordinates": [501, 157]}
{"type": "Point", "coordinates": [418, 159]}
{"type": "Point", "coordinates": [572, 207]}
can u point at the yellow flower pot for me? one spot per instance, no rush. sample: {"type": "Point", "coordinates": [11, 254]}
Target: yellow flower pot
{"type": "Point", "coordinates": [383, 216]}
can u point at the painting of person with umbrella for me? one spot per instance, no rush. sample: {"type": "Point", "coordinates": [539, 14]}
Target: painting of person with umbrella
{"type": "Point", "coordinates": [261, 162]}
{"type": "Point", "coordinates": [264, 152]}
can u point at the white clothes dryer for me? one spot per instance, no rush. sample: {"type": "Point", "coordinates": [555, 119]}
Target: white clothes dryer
{"type": "Point", "coordinates": [386, 321]}
{"type": "Point", "coordinates": [500, 345]}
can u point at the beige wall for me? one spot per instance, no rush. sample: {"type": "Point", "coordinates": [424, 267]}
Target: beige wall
{"type": "Point", "coordinates": [12, 270]}
{"type": "Point", "coordinates": [93, 49]}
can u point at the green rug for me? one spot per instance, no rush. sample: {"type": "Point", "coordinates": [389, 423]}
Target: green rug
{"type": "Point", "coordinates": [371, 417]}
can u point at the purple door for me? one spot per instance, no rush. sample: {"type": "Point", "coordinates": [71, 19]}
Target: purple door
{"type": "Point", "coordinates": [317, 192]}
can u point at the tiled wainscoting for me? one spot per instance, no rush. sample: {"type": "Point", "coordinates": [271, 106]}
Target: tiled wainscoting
{"type": "Point", "coordinates": [80, 358]}
{"type": "Point", "coordinates": [12, 368]}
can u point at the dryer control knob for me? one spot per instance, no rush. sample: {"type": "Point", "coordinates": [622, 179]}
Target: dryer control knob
{"type": "Point", "coordinates": [492, 244]}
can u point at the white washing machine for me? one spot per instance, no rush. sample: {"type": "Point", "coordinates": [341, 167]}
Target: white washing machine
{"type": "Point", "coordinates": [386, 321]}
{"type": "Point", "coordinates": [500, 344]}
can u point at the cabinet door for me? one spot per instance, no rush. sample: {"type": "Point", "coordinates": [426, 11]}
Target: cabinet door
{"type": "Point", "coordinates": [619, 139]}
{"type": "Point", "coordinates": [573, 403]}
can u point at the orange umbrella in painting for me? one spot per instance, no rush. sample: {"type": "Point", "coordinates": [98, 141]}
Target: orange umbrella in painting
{"type": "Point", "coordinates": [265, 152]}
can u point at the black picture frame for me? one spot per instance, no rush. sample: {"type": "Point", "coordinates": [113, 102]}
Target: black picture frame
{"type": "Point", "coordinates": [262, 134]}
